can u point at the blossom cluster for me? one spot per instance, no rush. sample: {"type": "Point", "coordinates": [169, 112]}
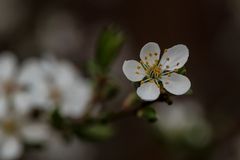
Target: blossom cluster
{"type": "Point", "coordinates": [29, 92]}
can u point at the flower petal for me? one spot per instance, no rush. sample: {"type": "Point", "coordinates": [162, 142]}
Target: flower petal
{"type": "Point", "coordinates": [61, 72]}
{"type": "Point", "coordinates": [22, 102]}
{"type": "Point", "coordinates": [3, 107]}
{"type": "Point", "coordinates": [150, 53]}
{"type": "Point", "coordinates": [76, 99]}
{"type": "Point", "coordinates": [175, 57]}
{"type": "Point", "coordinates": [11, 149]}
{"type": "Point", "coordinates": [176, 83]}
{"type": "Point", "coordinates": [8, 64]}
{"type": "Point", "coordinates": [148, 91]}
{"type": "Point", "coordinates": [133, 70]}
{"type": "Point", "coordinates": [31, 74]}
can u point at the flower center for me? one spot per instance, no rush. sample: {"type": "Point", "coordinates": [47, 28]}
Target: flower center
{"type": "Point", "coordinates": [155, 72]}
{"type": "Point", "coordinates": [9, 126]}
{"type": "Point", "coordinates": [9, 87]}
{"type": "Point", "coordinates": [55, 95]}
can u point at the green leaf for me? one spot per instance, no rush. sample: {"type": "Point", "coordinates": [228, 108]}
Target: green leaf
{"type": "Point", "coordinates": [189, 92]}
{"type": "Point", "coordinates": [94, 132]}
{"type": "Point", "coordinates": [108, 46]}
{"type": "Point", "coordinates": [93, 69]}
{"type": "Point", "coordinates": [56, 119]}
{"type": "Point", "coordinates": [147, 113]}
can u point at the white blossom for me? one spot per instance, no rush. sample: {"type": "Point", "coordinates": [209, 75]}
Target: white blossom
{"type": "Point", "coordinates": [67, 89]}
{"type": "Point", "coordinates": [15, 99]}
{"type": "Point", "coordinates": [15, 130]}
{"type": "Point", "coordinates": [154, 73]}
{"type": "Point", "coordinates": [184, 119]}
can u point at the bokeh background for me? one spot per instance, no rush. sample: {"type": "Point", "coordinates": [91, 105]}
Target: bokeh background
{"type": "Point", "coordinates": [69, 29]}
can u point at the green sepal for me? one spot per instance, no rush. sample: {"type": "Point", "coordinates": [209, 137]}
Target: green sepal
{"type": "Point", "coordinates": [147, 113]}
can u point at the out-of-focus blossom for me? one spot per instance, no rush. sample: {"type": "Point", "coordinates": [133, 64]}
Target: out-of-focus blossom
{"type": "Point", "coordinates": [22, 86]}
{"type": "Point", "coordinates": [154, 73]}
{"type": "Point", "coordinates": [43, 84]}
{"type": "Point", "coordinates": [16, 130]}
{"type": "Point", "coordinates": [183, 120]}
{"type": "Point", "coordinates": [34, 94]}
{"type": "Point", "coordinates": [67, 89]}
{"type": "Point", "coordinates": [8, 66]}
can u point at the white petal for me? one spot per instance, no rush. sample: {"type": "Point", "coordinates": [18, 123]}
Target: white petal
{"type": "Point", "coordinates": [76, 99]}
{"type": "Point", "coordinates": [150, 53]}
{"type": "Point", "coordinates": [35, 133]}
{"type": "Point", "coordinates": [22, 102]}
{"type": "Point", "coordinates": [35, 96]}
{"type": "Point", "coordinates": [175, 57]}
{"type": "Point", "coordinates": [148, 91]}
{"type": "Point", "coordinates": [3, 106]}
{"type": "Point", "coordinates": [133, 70]}
{"type": "Point", "coordinates": [40, 95]}
{"type": "Point", "coordinates": [64, 74]}
{"type": "Point", "coordinates": [31, 73]}
{"type": "Point", "coordinates": [11, 149]}
{"type": "Point", "coordinates": [176, 84]}
{"type": "Point", "coordinates": [8, 64]}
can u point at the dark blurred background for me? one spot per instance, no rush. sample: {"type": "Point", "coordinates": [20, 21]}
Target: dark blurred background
{"type": "Point", "coordinates": [210, 28]}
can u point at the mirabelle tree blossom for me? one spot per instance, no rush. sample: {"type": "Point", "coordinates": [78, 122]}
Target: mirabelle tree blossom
{"type": "Point", "coordinates": [155, 73]}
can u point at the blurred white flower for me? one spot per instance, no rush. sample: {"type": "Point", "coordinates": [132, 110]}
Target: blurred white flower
{"type": "Point", "coordinates": [35, 92]}
{"type": "Point", "coordinates": [8, 64]}
{"type": "Point", "coordinates": [15, 130]}
{"type": "Point", "coordinates": [153, 72]}
{"type": "Point", "coordinates": [67, 89]}
{"type": "Point", "coordinates": [25, 87]}
{"type": "Point", "coordinates": [43, 84]}
{"type": "Point", "coordinates": [184, 119]}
